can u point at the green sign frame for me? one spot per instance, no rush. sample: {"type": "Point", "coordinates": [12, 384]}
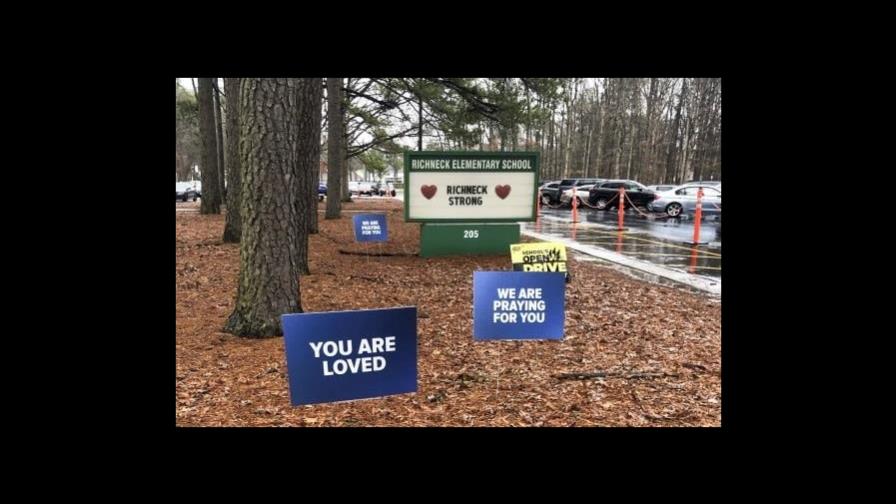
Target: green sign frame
{"type": "Point", "coordinates": [410, 155]}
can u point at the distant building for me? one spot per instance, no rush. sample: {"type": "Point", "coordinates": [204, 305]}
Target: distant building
{"type": "Point", "coordinates": [358, 172]}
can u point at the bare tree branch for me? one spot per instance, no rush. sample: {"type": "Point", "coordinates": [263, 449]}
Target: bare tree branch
{"type": "Point", "coordinates": [385, 104]}
{"type": "Point", "coordinates": [363, 148]}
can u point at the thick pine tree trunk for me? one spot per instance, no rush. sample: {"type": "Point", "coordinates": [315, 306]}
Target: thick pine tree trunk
{"type": "Point", "coordinates": [233, 223]}
{"type": "Point", "coordinates": [219, 139]}
{"type": "Point", "coordinates": [346, 194]}
{"type": "Point", "coordinates": [211, 196]}
{"type": "Point", "coordinates": [335, 117]}
{"type": "Point", "coordinates": [310, 107]}
{"type": "Point", "coordinates": [309, 94]}
{"type": "Point", "coordinates": [274, 148]}
{"type": "Point", "coordinates": [346, 101]}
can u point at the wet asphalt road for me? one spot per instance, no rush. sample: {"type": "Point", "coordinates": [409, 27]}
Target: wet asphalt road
{"type": "Point", "coordinates": [666, 242]}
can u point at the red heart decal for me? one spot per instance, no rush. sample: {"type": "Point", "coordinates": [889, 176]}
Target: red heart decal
{"type": "Point", "coordinates": [502, 191]}
{"type": "Point", "coordinates": [428, 190]}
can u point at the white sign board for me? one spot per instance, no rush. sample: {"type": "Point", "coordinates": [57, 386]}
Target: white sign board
{"type": "Point", "coordinates": [470, 186]}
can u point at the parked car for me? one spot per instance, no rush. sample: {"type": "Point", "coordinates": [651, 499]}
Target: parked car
{"type": "Point", "coordinates": [384, 189]}
{"type": "Point", "coordinates": [549, 191]}
{"type": "Point", "coordinates": [321, 191]}
{"type": "Point", "coordinates": [716, 185]}
{"type": "Point", "coordinates": [704, 183]}
{"type": "Point", "coordinates": [602, 196]}
{"type": "Point", "coordinates": [570, 183]}
{"type": "Point", "coordinates": [184, 191]}
{"type": "Point", "coordinates": [661, 188]}
{"type": "Point", "coordinates": [356, 187]}
{"type": "Point", "coordinates": [683, 199]}
{"type": "Point", "coordinates": [581, 193]}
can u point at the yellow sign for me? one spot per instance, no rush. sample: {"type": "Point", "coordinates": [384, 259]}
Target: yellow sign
{"type": "Point", "coordinates": [541, 256]}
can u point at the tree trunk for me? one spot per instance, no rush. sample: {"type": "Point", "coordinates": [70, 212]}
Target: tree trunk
{"type": "Point", "coordinates": [419, 123]}
{"type": "Point", "coordinates": [602, 112]}
{"type": "Point", "coordinates": [685, 146]}
{"type": "Point", "coordinates": [619, 139]}
{"type": "Point", "coordinates": [346, 171]}
{"type": "Point", "coordinates": [346, 101]}
{"type": "Point", "coordinates": [211, 196]}
{"type": "Point", "coordinates": [620, 127]}
{"type": "Point", "coordinates": [651, 129]}
{"type": "Point", "coordinates": [272, 192]}
{"type": "Point", "coordinates": [528, 120]}
{"type": "Point", "coordinates": [219, 139]}
{"type": "Point", "coordinates": [335, 161]}
{"type": "Point", "coordinates": [310, 103]}
{"type": "Point", "coordinates": [233, 223]}
{"type": "Point", "coordinates": [676, 126]}
{"type": "Point", "coordinates": [587, 154]}
{"type": "Point", "coordinates": [565, 144]}
{"type": "Point", "coordinates": [569, 116]}
{"type": "Point", "coordinates": [633, 128]}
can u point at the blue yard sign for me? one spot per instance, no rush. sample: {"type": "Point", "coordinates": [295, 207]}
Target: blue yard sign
{"type": "Point", "coordinates": [370, 228]}
{"type": "Point", "coordinates": [518, 305]}
{"type": "Point", "coordinates": [339, 356]}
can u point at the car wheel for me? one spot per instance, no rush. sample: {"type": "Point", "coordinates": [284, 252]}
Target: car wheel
{"type": "Point", "coordinates": [673, 209]}
{"type": "Point", "coordinates": [195, 198]}
{"type": "Point", "coordinates": [601, 203]}
{"type": "Point", "coordinates": [184, 199]}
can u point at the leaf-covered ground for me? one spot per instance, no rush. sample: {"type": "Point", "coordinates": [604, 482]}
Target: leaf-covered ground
{"type": "Point", "coordinates": [614, 324]}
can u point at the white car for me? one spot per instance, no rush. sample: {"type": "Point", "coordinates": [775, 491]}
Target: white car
{"type": "Point", "coordinates": [187, 190]}
{"type": "Point", "coordinates": [356, 187]}
{"type": "Point", "coordinates": [581, 193]}
{"type": "Point", "coordinates": [386, 189]}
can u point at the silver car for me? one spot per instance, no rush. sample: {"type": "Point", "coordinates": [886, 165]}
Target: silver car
{"type": "Point", "coordinates": [581, 192]}
{"type": "Point", "coordinates": [683, 199]}
{"type": "Point", "coordinates": [660, 188]}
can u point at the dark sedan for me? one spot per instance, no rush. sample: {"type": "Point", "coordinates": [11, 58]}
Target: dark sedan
{"type": "Point", "coordinates": [605, 196]}
{"type": "Point", "coordinates": [185, 194]}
